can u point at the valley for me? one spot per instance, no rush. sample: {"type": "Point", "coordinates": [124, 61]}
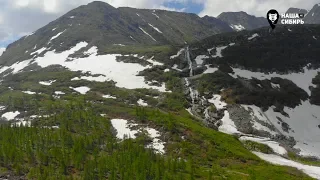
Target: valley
{"type": "Point", "coordinates": [124, 93]}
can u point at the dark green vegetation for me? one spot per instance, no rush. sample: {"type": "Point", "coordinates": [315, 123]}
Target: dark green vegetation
{"type": "Point", "coordinates": [85, 147]}
{"type": "Point", "coordinates": [315, 92]}
{"type": "Point", "coordinates": [280, 50]}
{"type": "Point", "coordinates": [242, 91]}
{"type": "Point", "coordinates": [304, 160]}
{"type": "Point", "coordinates": [254, 146]}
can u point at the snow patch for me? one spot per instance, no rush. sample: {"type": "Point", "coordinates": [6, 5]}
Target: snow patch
{"type": "Point", "coordinates": [122, 45]}
{"type": "Point", "coordinates": [16, 67]}
{"type": "Point", "coordinates": [81, 90]}
{"type": "Point", "coordinates": [228, 125]}
{"type": "Point", "coordinates": [59, 93]}
{"type": "Point", "coordinates": [276, 86]}
{"type": "Point", "coordinates": [189, 111]}
{"type": "Point", "coordinates": [155, 28]}
{"type": "Point", "coordinates": [21, 123]}
{"type": "Point", "coordinates": [177, 55]}
{"type": "Point", "coordinates": [210, 70]}
{"type": "Point", "coordinates": [175, 67]}
{"type": "Point", "coordinates": [54, 37]}
{"type": "Point", "coordinates": [141, 102]}
{"type": "Point", "coordinates": [109, 96]}
{"type": "Point", "coordinates": [100, 64]}
{"type": "Point", "coordinates": [256, 112]}
{"type": "Point", "coordinates": [47, 83]}
{"type": "Point", "coordinates": [219, 50]}
{"type": "Point", "coordinates": [10, 115]}
{"type": "Point", "coordinates": [303, 120]}
{"type": "Point", "coordinates": [147, 34]}
{"type": "Point", "coordinates": [157, 144]}
{"type": "Point", "coordinates": [216, 100]}
{"type": "Point", "coordinates": [312, 171]}
{"type": "Point", "coordinates": [156, 15]}
{"type": "Point", "coordinates": [155, 63]}
{"type": "Point", "coordinates": [39, 51]}
{"type": "Point", "coordinates": [301, 79]}
{"type": "Point", "coordinates": [123, 129]}
{"type": "Point", "coordinates": [238, 27]}
{"type": "Point", "coordinates": [90, 78]}
{"type": "Point", "coordinates": [92, 51]}
{"type": "Point", "coordinates": [29, 92]}
{"type": "Point", "coordinates": [199, 59]}
{"type": "Point", "coordinates": [253, 36]}
{"type": "Point", "coordinates": [275, 146]}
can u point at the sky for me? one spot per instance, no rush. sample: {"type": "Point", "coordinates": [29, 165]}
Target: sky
{"type": "Point", "coordinates": [21, 17]}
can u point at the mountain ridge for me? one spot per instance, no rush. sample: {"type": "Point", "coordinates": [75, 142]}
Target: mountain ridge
{"type": "Point", "coordinates": [167, 90]}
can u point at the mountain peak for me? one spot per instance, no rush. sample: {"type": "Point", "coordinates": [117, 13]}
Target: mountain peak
{"type": "Point", "coordinates": [99, 3]}
{"type": "Point", "coordinates": [242, 20]}
{"type": "Point", "coordinates": [297, 10]}
{"type": "Point", "coordinates": [313, 16]}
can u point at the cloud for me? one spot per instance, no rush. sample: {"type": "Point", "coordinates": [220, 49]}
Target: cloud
{"type": "Point", "coordinates": [254, 7]}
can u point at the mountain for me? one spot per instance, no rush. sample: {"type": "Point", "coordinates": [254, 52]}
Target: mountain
{"type": "Point", "coordinates": [2, 50]}
{"type": "Point", "coordinates": [277, 85]}
{"type": "Point", "coordinates": [297, 10]}
{"type": "Point", "coordinates": [313, 16]}
{"type": "Point", "coordinates": [105, 26]}
{"type": "Point", "coordinates": [88, 102]}
{"type": "Point", "coordinates": [241, 20]}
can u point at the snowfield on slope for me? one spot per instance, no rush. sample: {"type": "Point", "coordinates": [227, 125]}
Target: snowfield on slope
{"type": "Point", "coordinates": [124, 130]}
{"type": "Point", "coordinates": [302, 79]}
{"type": "Point", "coordinates": [124, 74]}
{"type": "Point", "coordinates": [141, 102]}
{"type": "Point", "coordinates": [312, 171]}
{"type": "Point", "coordinates": [237, 27]}
{"type": "Point", "coordinates": [303, 121]}
{"type": "Point", "coordinates": [256, 112]}
{"type": "Point", "coordinates": [47, 83]}
{"type": "Point", "coordinates": [10, 115]}
{"type": "Point", "coordinates": [272, 144]}
{"type": "Point", "coordinates": [81, 90]}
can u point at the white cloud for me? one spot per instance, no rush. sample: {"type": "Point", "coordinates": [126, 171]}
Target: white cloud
{"type": "Point", "coordinates": [254, 7]}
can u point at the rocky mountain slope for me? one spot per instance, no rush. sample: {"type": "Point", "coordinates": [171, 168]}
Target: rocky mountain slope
{"type": "Point", "coordinates": [297, 10]}
{"type": "Point", "coordinates": [277, 85]}
{"type": "Point", "coordinates": [313, 16]}
{"type": "Point", "coordinates": [80, 103]}
{"type": "Point", "coordinates": [108, 28]}
{"type": "Point", "coordinates": [241, 20]}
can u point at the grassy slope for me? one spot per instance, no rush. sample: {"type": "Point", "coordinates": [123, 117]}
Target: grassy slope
{"type": "Point", "coordinates": [211, 153]}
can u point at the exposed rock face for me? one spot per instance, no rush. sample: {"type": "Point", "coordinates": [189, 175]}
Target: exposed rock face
{"type": "Point", "coordinates": [313, 16]}
{"type": "Point", "coordinates": [239, 20]}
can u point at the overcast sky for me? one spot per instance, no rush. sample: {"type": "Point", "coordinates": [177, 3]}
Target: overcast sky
{"type": "Point", "coordinates": [21, 17]}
